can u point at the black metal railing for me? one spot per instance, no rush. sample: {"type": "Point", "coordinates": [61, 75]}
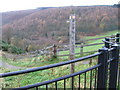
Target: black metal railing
{"type": "Point", "coordinates": [103, 75]}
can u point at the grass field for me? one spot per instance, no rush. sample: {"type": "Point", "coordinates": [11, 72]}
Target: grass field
{"type": "Point", "coordinates": [40, 76]}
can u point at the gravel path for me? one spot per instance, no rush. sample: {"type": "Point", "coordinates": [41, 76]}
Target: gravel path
{"type": "Point", "coordinates": [6, 65]}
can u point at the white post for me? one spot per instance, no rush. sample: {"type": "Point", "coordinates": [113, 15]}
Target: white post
{"type": "Point", "coordinates": [72, 43]}
{"type": "Point", "coordinates": [72, 35]}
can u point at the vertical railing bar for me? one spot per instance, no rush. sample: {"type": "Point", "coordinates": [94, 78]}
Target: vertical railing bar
{"type": "Point", "coordinates": [95, 77]}
{"type": "Point", "coordinates": [56, 85]}
{"type": "Point", "coordinates": [118, 78]}
{"type": "Point", "coordinates": [90, 79]}
{"type": "Point", "coordinates": [64, 84]}
{"type": "Point", "coordinates": [36, 88]}
{"type": "Point", "coordinates": [72, 83]}
{"type": "Point", "coordinates": [46, 86]}
{"type": "Point", "coordinates": [79, 82]}
{"type": "Point", "coordinates": [108, 75]}
{"type": "Point", "coordinates": [85, 81]}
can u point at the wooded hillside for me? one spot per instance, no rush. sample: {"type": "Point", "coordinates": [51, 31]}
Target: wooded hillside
{"type": "Point", "coordinates": [34, 29]}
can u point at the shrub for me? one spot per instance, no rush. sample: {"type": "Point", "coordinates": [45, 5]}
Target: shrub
{"type": "Point", "coordinates": [4, 46]}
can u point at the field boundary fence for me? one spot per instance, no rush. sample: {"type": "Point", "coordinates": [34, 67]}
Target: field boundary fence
{"type": "Point", "coordinates": [55, 50]}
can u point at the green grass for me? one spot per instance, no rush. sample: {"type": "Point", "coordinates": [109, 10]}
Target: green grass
{"type": "Point", "coordinates": [40, 76]}
{"type": "Point", "coordinates": [33, 62]}
{"type": "Point", "coordinates": [102, 35]}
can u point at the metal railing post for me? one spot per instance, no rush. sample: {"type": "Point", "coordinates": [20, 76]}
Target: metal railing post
{"type": "Point", "coordinates": [118, 41]}
{"type": "Point", "coordinates": [118, 38]}
{"type": "Point", "coordinates": [114, 67]}
{"type": "Point", "coordinates": [102, 70]}
{"type": "Point", "coordinates": [107, 45]}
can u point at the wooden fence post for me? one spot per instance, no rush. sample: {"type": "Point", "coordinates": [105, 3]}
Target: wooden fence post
{"type": "Point", "coordinates": [54, 51]}
{"type": "Point", "coordinates": [81, 49]}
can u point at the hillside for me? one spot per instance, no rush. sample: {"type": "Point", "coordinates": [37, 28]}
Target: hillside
{"type": "Point", "coordinates": [38, 28]}
{"type": "Point", "coordinates": [9, 17]}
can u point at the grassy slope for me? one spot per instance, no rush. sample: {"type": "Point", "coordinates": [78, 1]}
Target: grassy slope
{"type": "Point", "coordinates": [35, 77]}
{"type": "Point", "coordinates": [46, 60]}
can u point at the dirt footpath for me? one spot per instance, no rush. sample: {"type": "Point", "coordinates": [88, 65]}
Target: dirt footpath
{"type": "Point", "coordinates": [6, 65]}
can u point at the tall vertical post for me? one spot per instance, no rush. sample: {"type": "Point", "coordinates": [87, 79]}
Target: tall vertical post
{"type": "Point", "coordinates": [118, 42]}
{"type": "Point", "coordinates": [118, 38]}
{"type": "Point", "coordinates": [72, 35]}
{"type": "Point", "coordinates": [107, 45]}
{"type": "Point", "coordinates": [114, 67]}
{"type": "Point", "coordinates": [102, 70]}
{"type": "Point", "coordinates": [72, 43]}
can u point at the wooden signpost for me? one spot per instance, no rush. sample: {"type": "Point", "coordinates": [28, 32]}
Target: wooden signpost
{"type": "Point", "coordinates": [72, 43]}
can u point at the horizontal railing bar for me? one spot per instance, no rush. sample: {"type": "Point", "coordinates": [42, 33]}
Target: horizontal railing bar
{"type": "Point", "coordinates": [114, 38]}
{"type": "Point", "coordinates": [111, 49]}
{"type": "Point", "coordinates": [48, 66]}
{"type": "Point", "coordinates": [110, 60]}
{"type": "Point", "coordinates": [107, 41]}
{"type": "Point", "coordinates": [58, 79]}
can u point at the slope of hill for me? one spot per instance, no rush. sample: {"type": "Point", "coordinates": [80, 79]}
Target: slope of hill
{"type": "Point", "coordinates": [50, 24]}
{"type": "Point", "coordinates": [8, 17]}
